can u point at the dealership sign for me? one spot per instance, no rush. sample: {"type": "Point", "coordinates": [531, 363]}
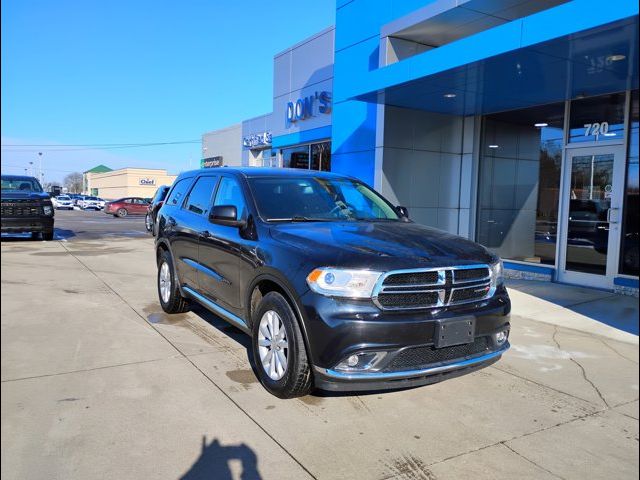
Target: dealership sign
{"type": "Point", "coordinates": [211, 162]}
{"type": "Point", "coordinates": [257, 140]}
{"type": "Point", "coordinates": [307, 107]}
{"type": "Point", "coordinates": [147, 181]}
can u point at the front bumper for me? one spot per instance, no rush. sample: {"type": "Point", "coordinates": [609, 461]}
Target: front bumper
{"type": "Point", "coordinates": [339, 328]}
{"type": "Point", "coordinates": [27, 224]}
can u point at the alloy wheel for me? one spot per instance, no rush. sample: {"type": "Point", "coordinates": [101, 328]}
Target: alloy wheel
{"type": "Point", "coordinates": [164, 282]}
{"type": "Point", "coordinates": [273, 346]}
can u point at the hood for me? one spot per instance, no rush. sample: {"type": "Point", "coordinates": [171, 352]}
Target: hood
{"type": "Point", "coordinates": [23, 195]}
{"type": "Point", "coordinates": [380, 245]}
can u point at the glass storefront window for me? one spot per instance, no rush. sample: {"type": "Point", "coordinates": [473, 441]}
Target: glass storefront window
{"type": "Point", "coordinates": [321, 156]}
{"type": "Point", "coordinates": [316, 156]}
{"type": "Point", "coordinates": [597, 119]}
{"type": "Point", "coordinates": [520, 163]}
{"type": "Point", "coordinates": [629, 249]}
{"type": "Point", "coordinates": [295, 157]}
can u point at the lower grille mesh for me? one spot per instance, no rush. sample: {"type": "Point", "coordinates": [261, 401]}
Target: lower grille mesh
{"type": "Point", "coordinates": [422, 356]}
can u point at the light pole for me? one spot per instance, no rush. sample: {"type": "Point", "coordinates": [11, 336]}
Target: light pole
{"type": "Point", "coordinates": [31, 168]}
{"type": "Point", "coordinates": [41, 173]}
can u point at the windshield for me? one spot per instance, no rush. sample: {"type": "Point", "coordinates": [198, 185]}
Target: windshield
{"type": "Point", "coordinates": [91, 198]}
{"type": "Point", "coordinates": [24, 184]}
{"type": "Point", "coordinates": [63, 197]}
{"type": "Point", "coordinates": [326, 199]}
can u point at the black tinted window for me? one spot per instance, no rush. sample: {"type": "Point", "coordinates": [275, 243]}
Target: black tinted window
{"type": "Point", "coordinates": [178, 191]}
{"type": "Point", "coordinates": [230, 193]}
{"type": "Point", "coordinates": [201, 194]}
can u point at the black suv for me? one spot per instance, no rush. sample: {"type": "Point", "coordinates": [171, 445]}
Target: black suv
{"type": "Point", "coordinates": [336, 287]}
{"type": "Point", "coordinates": [26, 207]}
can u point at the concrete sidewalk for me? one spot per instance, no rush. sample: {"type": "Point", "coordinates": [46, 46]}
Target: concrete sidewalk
{"type": "Point", "coordinates": [97, 382]}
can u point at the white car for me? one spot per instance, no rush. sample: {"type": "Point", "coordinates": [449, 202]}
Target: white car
{"type": "Point", "coordinates": [101, 202]}
{"type": "Point", "coordinates": [89, 203]}
{"type": "Point", "coordinates": [63, 202]}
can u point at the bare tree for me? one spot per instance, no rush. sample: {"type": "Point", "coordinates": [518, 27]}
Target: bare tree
{"type": "Point", "coordinates": [73, 182]}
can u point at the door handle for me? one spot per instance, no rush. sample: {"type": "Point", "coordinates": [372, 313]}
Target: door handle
{"type": "Point", "coordinates": [205, 234]}
{"type": "Point", "coordinates": [609, 215]}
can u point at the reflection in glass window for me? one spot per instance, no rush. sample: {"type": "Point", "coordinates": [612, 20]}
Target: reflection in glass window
{"type": "Point", "coordinates": [230, 193]}
{"type": "Point", "coordinates": [296, 157]}
{"type": "Point", "coordinates": [629, 251]}
{"type": "Point", "coordinates": [321, 156]}
{"type": "Point", "coordinates": [519, 183]}
{"type": "Point", "coordinates": [597, 119]}
{"type": "Point", "coordinates": [201, 194]}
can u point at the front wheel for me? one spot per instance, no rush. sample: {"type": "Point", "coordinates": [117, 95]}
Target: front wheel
{"type": "Point", "coordinates": [169, 295]}
{"type": "Point", "coordinates": [278, 349]}
{"type": "Point", "coordinates": [122, 212]}
{"type": "Point", "coordinates": [147, 222]}
{"type": "Point", "coordinates": [47, 235]}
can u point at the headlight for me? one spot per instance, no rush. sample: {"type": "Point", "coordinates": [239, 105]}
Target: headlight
{"type": "Point", "coordinates": [497, 273]}
{"type": "Point", "coordinates": [343, 283]}
{"type": "Point", "coordinates": [48, 210]}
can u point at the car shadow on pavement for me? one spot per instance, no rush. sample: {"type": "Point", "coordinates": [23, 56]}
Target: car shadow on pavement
{"type": "Point", "coordinates": [215, 462]}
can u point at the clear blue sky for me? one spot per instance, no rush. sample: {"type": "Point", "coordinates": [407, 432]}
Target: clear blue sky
{"type": "Point", "coordinates": [95, 72]}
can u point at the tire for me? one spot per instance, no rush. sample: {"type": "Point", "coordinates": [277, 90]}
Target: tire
{"type": "Point", "coordinates": [147, 223]}
{"type": "Point", "coordinates": [122, 212]}
{"type": "Point", "coordinates": [35, 235]}
{"type": "Point", "coordinates": [296, 380]}
{"type": "Point", "coordinates": [47, 235]}
{"type": "Point", "coordinates": [170, 299]}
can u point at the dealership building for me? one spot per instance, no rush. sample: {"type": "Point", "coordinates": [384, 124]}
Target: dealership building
{"type": "Point", "coordinates": [510, 122]}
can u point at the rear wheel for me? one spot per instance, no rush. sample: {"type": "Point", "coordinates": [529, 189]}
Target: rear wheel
{"type": "Point", "coordinates": [278, 349]}
{"type": "Point", "coordinates": [169, 295]}
{"type": "Point", "coordinates": [47, 235]}
{"type": "Point", "coordinates": [122, 212]}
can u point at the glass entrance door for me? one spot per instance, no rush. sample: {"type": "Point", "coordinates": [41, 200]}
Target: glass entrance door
{"type": "Point", "coordinates": [591, 215]}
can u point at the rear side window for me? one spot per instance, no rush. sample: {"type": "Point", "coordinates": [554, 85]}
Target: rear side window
{"type": "Point", "coordinates": [230, 193]}
{"type": "Point", "coordinates": [178, 192]}
{"type": "Point", "coordinates": [201, 195]}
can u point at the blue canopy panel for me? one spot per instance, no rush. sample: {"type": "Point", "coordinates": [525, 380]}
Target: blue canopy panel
{"type": "Point", "coordinates": [598, 60]}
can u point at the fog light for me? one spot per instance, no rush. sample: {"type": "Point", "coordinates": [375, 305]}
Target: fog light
{"type": "Point", "coordinates": [501, 337]}
{"type": "Point", "coordinates": [361, 361]}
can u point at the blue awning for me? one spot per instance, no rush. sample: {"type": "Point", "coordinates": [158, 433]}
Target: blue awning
{"type": "Point", "coordinates": [593, 61]}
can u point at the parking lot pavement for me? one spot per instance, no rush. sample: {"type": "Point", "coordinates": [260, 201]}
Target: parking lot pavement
{"type": "Point", "coordinates": [97, 382]}
{"type": "Point", "coordinates": [73, 225]}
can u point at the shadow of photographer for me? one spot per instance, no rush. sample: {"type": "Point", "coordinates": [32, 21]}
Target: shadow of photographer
{"type": "Point", "coordinates": [215, 461]}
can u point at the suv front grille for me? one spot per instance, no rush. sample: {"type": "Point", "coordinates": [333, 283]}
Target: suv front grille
{"type": "Point", "coordinates": [428, 288]}
{"type": "Point", "coordinates": [15, 209]}
{"type": "Point", "coordinates": [417, 357]}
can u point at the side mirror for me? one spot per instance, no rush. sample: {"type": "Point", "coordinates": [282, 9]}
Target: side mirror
{"type": "Point", "coordinates": [225, 215]}
{"type": "Point", "coordinates": [402, 211]}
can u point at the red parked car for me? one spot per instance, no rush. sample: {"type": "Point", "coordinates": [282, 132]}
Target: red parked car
{"type": "Point", "coordinates": [127, 206]}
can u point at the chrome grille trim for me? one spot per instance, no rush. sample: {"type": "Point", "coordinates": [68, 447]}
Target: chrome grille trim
{"type": "Point", "coordinates": [444, 288]}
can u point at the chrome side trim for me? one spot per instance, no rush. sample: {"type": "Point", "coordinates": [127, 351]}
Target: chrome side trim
{"type": "Point", "coordinates": [373, 376]}
{"type": "Point", "coordinates": [203, 269]}
{"type": "Point", "coordinates": [217, 309]}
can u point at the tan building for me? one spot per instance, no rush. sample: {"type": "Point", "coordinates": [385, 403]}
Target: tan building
{"type": "Point", "coordinates": [124, 182]}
